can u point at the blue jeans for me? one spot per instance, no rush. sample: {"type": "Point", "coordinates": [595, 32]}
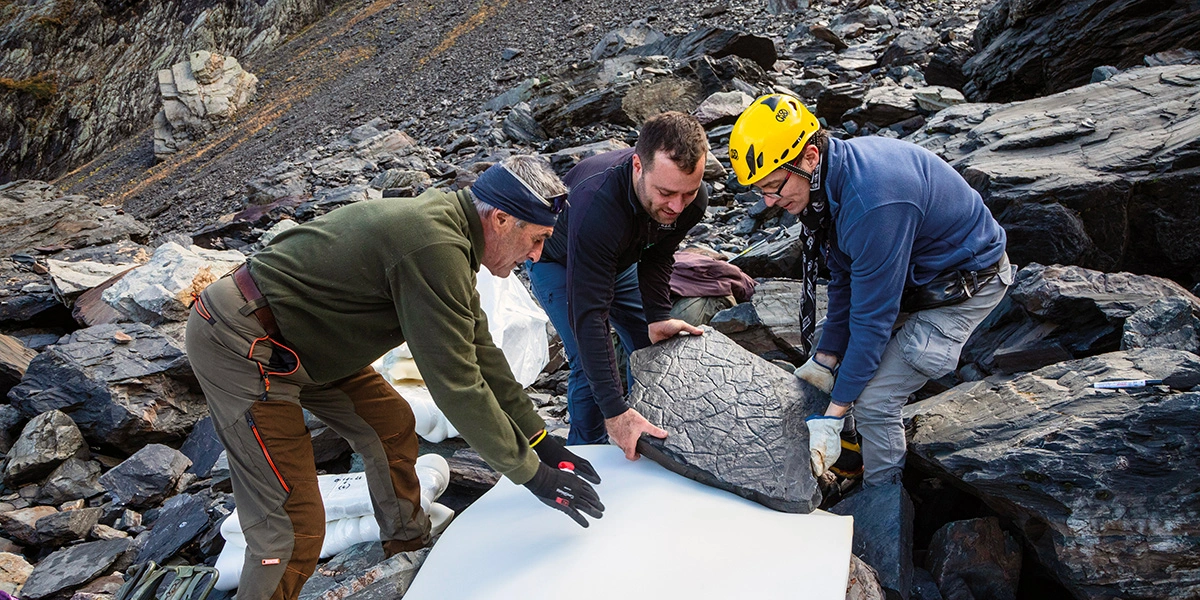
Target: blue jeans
{"type": "Point", "coordinates": [549, 281]}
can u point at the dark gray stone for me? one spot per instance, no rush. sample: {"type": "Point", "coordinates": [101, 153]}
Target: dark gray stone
{"type": "Point", "coordinates": [358, 578]}
{"type": "Point", "coordinates": [975, 559]}
{"type": "Point", "coordinates": [520, 126]}
{"type": "Point", "coordinates": [21, 524]}
{"type": "Point", "coordinates": [909, 48]}
{"type": "Point", "coordinates": [1165, 323]}
{"type": "Point", "coordinates": [67, 526]}
{"type": "Point", "coordinates": [1069, 294]}
{"type": "Point", "coordinates": [353, 561]}
{"type": "Point", "coordinates": [1071, 466]}
{"type": "Point", "coordinates": [1036, 49]}
{"type": "Point", "coordinates": [520, 93]}
{"type": "Point", "coordinates": [776, 256]}
{"type": "Point", "coordinates": [736, 421]}
{"type": "Point", "coordinates": [328, 446]}
{"type": "Point", "coordinates": [202, 448]}
{"type": "Point", "coordinates": [10, 421]}
{"type": "Point", "coordinates": [838, 98]}
{"type": "Point", "coordinates": [72, 567]}
{"type": "Point", "coordinates": [1046, 233]}
{"type": "Point", "coordinates": [769, 324]}
{"type": "Point", "coordinates": [946, 64]}
{"type": "Point", "coordinates": [714, 42]}
{"type": "Point", "coordinates": [883, 533]}
{"type": "Point", "coordinates": [924, 587]}
{"type": "Point", "coordinates": [119, 394]}
{"type": "Point", "coordinates": [618, 41]}
{"type": "Point", "coordinates": [46, 441]}
{"type": "Point", "coordinates": [863, 583]}
{"type": "Point", "coordinates": [145, 478]}
{"type": "Point", "coordinates": [181, 520]}
{"type": "Point", "coordinates": [1112, 154]}
{"type": "Point", "coordinates": [73, 480]}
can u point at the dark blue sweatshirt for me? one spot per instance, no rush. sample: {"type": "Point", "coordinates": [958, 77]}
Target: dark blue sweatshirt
{"type": "Point", "coordinates": [901, 217]}
{"type": "Point", "coordinates": [602, 232]}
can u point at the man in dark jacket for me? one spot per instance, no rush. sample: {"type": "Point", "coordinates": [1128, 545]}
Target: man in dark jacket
{"type": "Point", "coordinates": [298, 326]}
{"type": "Point", "coordinates": [609, 263]}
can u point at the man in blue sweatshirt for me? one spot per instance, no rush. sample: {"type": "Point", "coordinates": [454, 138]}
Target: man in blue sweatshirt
{"type": "Point", "coordinates": [609, 261]}
{"type": "Point", "coordinates": [916, 263]}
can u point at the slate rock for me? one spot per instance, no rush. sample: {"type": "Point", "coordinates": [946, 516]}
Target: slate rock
{"type": "Point", "coordinates": [202, 448]}
{"type": "Point", "coordinates": [946, 65]}
{"type": "Point", "coordinates": [1112, 153]}
{"type": "Point", "coordinates": [198, 94]}
{"type": "Point", "coordinates": [736, 421]}
{"type": "Point", "coordinates": [522, 92]}
{"type": "Point", "coordinates": [1170, 322]}
{"type": "Point", "coordinates": [328, 446]}
{"type": "Point", "coordinates": [1071, 294]}
{"type": "Point", "coordinates": [1047, 233]}
{"type": "Point", "coordinates": [181, 519]}
{"type": "Point", "coordinates": [46, 441]}
{"type": "Point", "coordinates": [775, 256]}
{"type": "Point", "coordinates": [1070, 467]}
{"type": "Point", "coordinates": [69, 568]}
{"type": "Point", "coordinates": [924, 587]}
{"type": "Point", "coordinates": [722, 108]}
{"type": "Point", "coordinates": [14, 360]}
{"type": "Point", "coordinates": [520, 126]}
{"type": "Point", "coordinates": [863, 583]}
{"type": "Point", "coordinates": [838, 98]}
{"type": "Point", "coordinates": [769, 324]}
{"type": "Point", "coordinates": [147, 477]}
{"type": "Point", "coordinates": [90, 308]}
{"type": "Point", "coordinates": [346, 565]}
{"type": "Point", "coordinates": [566, 158]}
{"type": "Point", "coordinates": [912, 47]}
{"type": "Point", "coordinates": [10, 419]}
{"type": "Point", "coordinates": [975, 559]}
{"type": "Point", "coordinates": [384, 580]}
{"type": "Point", "coordinates": [21, 524]}
{"type": "Point", "coordinates": [72, 480]}
{"type": "Point", "coordinates": [884, 106]}
{"type": "Point", "coordinates": [713, 42]}
{"type": "Point", "coordinates": [67, 526]}
{"type": "Point", "coordinates": [14, 570]}
{"type": "Point", "coordinates": [1036, 49]}
{"type": "Point", "coordinates": [618, 41]}
{"type": "Point", "coordinates": [70, 279]}
{"type": "Point", "coordinates": [36, 214]}
{"type": "Point", "coordinates": [162, 289]}
{"type": "Point", "coordinates": [883, 533]}
{"type": "Point", "coordinates": [119, 394]}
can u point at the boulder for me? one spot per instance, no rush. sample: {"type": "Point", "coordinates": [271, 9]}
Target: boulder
{"type": "Point", "coordinates": [10, 419]}
{"type": "Point", "coordinates": [181, 519]}
{"type": "Point", "coordinates": [1116, 154]}
{"type": "Point", "coordinates": [89, 308]}
{"type": "Point", "coordinates": [199, 94]}
{"type": "Point", "coordinates": [885, 105]}
{"type": "Point", "coordinates": [14, 570]}
{"type": "Point", "coordinates": [935, 97]}
{"type": "Point", "coordinates": [69, 568]}
{"type": "Point", "coordinates": [202, 448]}
{"type": "Point", "coordinates": [362, 573]}
{"type": "Point", "coordinates": [46, 441]}
{"type": "Point", "coordinates": [566, 158]}
{"type": "Point", "coordinates": [912, 47]}
{"type": "Point", "coordinates": [946, 65]}
{"type": "Point", "coordinates": [618, 41]}
{"type": "Point", "coordinates": [21, 524]}
{"type": "Point", "coordinates": [838, 98]}
{"type": "Point", "coordinates": [714, 42]}
{"type": "Point", "coordinates": [520, 126]}
{"type": "Point", "coordinates": [769, 325]}
{"type": "Point", "coordinates": [72, 278]}
{"type": "Point", "coordinates": [775, 256]}
{"type": "Point", "coordinates": [1070, 466]}
{"type": "Point", "coordinates": [522, 92]}
{"type": "Point", "coordinates": [1172, 322]}
{"type": "Point", "coordinates": [147, 477]}
{"type": "Point", "coordinates": [975, 559]}
{"type": "Point", "coordinates": [120, 393]}
{"type": "Point", "coordinates": [161, 290]}
{"type": "Point", "coordinates": [74, 479]}
{"type": "Point", "coordinates": [722, 108]}
{"type": "Point", "coordinates": [35, 214]}
{"type": "Point", "coordinates": [14, 359]}
{"type": "Point", "coordinates": [883, 533]}
{"type": "Point", "coordinates": [68, 526]}
{"type": "Point", "coordinates": [736, 421]}
{"type": "Point", "coordinates": [1030, 49]}
{"type": "Point", "coordinates": [1057, 313]}
{"type": "Point", "coordinates": [863, 583]}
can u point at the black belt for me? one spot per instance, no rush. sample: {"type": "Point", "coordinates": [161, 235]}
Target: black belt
{"type": "Point", "coordinates": [949, 288]}
{"type": "Point", "coordinates": [256, 304]}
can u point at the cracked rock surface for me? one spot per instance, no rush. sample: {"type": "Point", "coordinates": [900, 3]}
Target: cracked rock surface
{"type": "Point", "coordinates": [735, 421]}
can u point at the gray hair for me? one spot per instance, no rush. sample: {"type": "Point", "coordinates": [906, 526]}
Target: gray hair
{"type": "Point", "coordinates": [532, 170]}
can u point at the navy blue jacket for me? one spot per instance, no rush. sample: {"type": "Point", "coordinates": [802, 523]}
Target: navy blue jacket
{"type": "Point", "coordinates": [901, 217]}
{"type": "Point", "coordinates": [601, 233]}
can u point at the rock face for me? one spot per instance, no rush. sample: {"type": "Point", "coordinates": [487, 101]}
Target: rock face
{"type": "Point", "coordinates": [1070, 466]}
{"type": "Point", "coordinates": [1028, 49]}
{"type": "Point", "coordinates": [975, 559]}
{"type": "Point", "coordinates": [147, 477]}
{"type": "Point", "coordinates": [1059, 312]}
{"type": "Point", "coordinates": [198, 94]}
{"type": "Point", "coordinates": [47, 441]}
{"type": "Point", "coordinates": [121, 394]}
{"type": "Point", "coordinates": [161, 290]}
{"type": "Point", "coordinates": [736, 421]}
{"type": "Point", "coordinates": [87, 68]}
{"type": "Point", "coordinates": [1097, 176]}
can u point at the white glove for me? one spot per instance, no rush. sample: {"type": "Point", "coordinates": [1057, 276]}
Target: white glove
{"type": "Point", "coordinates": [824, 441]}
{"type": "Point", "coordinates": [817, 374]}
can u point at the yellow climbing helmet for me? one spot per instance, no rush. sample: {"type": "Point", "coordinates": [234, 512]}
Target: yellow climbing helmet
{"type": "Point", "coordinates": [768, 134]}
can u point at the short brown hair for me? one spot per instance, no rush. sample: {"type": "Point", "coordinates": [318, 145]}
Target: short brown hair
{"type": "Point", "coordinates": [679, 135]}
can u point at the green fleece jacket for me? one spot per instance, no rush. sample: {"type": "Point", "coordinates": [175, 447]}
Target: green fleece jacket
{"type": "Point", "coordinates": [353, 284]}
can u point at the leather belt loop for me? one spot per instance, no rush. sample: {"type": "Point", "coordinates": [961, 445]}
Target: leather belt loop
{"type": "Point", "coordinates": [256, 304]}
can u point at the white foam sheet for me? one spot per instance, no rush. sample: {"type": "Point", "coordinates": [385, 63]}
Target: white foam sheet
{"type": "Point", "coordinates": [662, 536]}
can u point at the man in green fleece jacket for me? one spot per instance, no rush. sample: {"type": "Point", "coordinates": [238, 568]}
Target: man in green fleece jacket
{"type": "Point", "coordinates": [299, 325]}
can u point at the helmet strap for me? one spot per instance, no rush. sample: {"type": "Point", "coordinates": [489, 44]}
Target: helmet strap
{"type": "Point", "coordinates": [813, 177]}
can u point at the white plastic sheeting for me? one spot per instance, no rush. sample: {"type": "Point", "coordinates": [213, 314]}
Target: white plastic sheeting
{"type": "Point", "coordinates": [349, 516]}
{"type": "Point", "coordinates": [662, 536]}
{"type": "Point", "coordinates": [518, 327]}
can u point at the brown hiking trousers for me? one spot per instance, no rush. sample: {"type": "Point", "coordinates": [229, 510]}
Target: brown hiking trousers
{"type": "Point", "coordinates": [260, 423]}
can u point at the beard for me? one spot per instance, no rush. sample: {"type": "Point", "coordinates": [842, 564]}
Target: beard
{"type": "Point", "coordinates": [657, 215]}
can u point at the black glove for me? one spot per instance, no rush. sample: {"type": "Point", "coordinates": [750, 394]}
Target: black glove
{"type": "Point", "coordinates": [553, 453]}
{"type": "Point", "coordinates": [565, 491]}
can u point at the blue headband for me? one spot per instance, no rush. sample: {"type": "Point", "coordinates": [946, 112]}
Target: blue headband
{"type": "Point", "coordinates": [502, 189]}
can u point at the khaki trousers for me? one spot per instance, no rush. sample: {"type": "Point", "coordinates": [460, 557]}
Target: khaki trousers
{"type": "Point", "coordinates": [260, 422]}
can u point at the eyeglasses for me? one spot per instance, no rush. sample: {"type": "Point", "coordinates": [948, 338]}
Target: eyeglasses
{"type": "Point", "coordinates": [776, 195]}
